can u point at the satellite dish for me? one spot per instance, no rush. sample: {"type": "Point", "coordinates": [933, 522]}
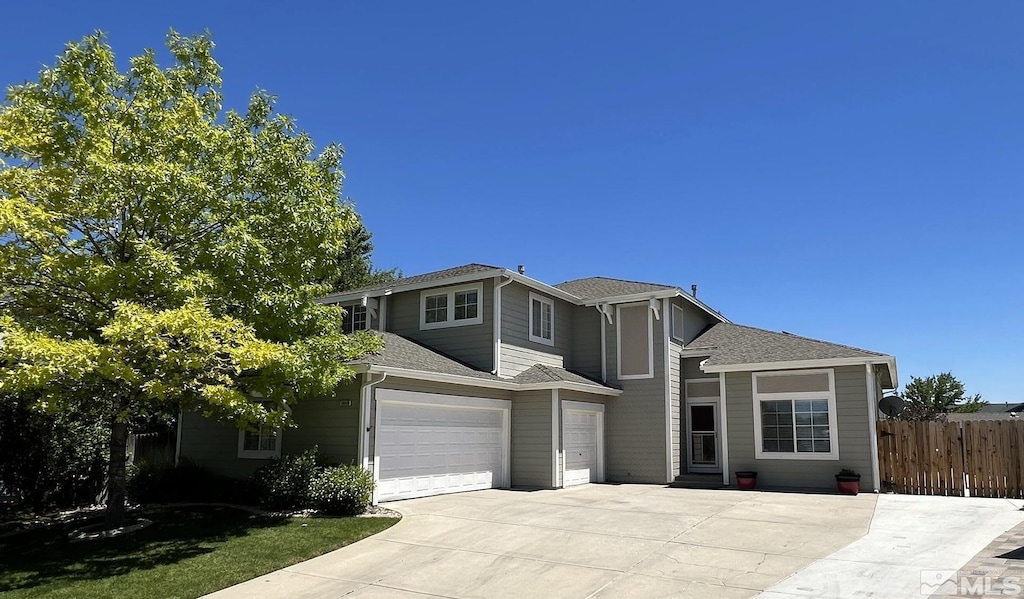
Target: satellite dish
{"type": "Point", "coordinates": [892, 405]}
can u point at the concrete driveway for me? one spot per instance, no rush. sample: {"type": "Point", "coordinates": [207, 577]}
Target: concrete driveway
{"type": "Point", "coordinates": [589, 541]}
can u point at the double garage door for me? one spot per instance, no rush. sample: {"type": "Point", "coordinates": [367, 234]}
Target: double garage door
{"type": "Point", "coordinates": [427, 444]}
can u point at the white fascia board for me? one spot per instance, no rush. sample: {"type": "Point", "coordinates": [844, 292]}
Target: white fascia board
{"type": "Point", "coordinates": [570, 386]}
{"type": "Point", "coordinates": [543, 287]}
{"type": "Point", "coordinates": [633, 297]}
{"type": "Point", "coordinates": [701, 305]}
{"type": "Point", "coordinates": [439, 377]}
{"type": "Point", "coordinates": [335, 298]}
{"type": "Point", "coordinates": [508, 385]}
{"type": "Point", "coordinates": [889, 361]}
{"type": "Point", "coordinates": [660, 294]}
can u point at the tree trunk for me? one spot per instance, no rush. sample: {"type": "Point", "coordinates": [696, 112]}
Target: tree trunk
{"type": "Point", "coordinates": [115, 514]}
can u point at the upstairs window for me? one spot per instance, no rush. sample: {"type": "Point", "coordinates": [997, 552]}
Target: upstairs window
{"type": "Point", "coordinates": [355, 319]}
{"type": "Point", "coordinates": [678, 332]}
{"type": "Point", "coordinates": [451, 307]}
{"type": "Point", "coordinates": [542, 320]}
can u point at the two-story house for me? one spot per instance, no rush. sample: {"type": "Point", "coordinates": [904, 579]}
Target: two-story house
{"type": "Point", "coordinates": [489, 378]}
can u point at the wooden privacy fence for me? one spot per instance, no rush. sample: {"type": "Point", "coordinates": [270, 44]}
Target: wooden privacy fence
{"type": "Point", "coordinates": [982, 457]}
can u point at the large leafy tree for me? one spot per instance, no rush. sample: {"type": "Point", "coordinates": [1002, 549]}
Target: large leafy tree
{"type": "Point", "coordinates": [157, 254]}
{"type": "Point", "coordinates": [356, 266]}
{"type": "Point", "coordinates": [930, 397]}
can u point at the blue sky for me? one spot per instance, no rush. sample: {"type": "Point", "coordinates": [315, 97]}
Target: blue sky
{"type": "Point", "coordinates": [850, 172]}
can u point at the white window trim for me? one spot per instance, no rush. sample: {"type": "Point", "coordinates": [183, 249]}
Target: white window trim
{"type": "Point", "coordinates": [833, 428]}
{"type": "Point", "coordinates": [450, 292]}
{"type": "Point", "coordinates": [618, 343]}
{"type": "Point", "coordinates": [260, 454]}
{"type": "Point", "coordinates": [677, 316]}
{"type": "Point", "coordinates": [543, 300]}
{"type": "Point", "coordinates": [350, 309]}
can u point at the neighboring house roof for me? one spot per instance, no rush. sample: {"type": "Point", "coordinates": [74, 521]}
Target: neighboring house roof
{"type": "Point", "coordinates": [732, 347]}
{"type": "Point", "coordinates": [401, 356]}
{"type": "Point", "coordinates": [592, 288]}
{"type": "Point", "coordinates": [1003, 407]}
{"type": "Point", "coordinates": [964, 416]}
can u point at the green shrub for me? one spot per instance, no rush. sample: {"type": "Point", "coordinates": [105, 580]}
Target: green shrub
{"type": "Point", "coordinates": [284, 484]}
{"type": "Point", "coordinates": [342, 490]}
{"type": "Point", "coordinates": [50, 460]}
{"type": "Point", "coordinates": [164, 483]}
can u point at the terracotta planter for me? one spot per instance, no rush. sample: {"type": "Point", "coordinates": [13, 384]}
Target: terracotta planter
{"type": "Point", "coordinates": [848, 485]}
{"type": "Point", "coordinates": [746, 480]}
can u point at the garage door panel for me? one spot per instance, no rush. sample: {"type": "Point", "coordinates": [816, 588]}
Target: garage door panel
{"type": "Point", "coordinates": [580, 438]}
{"type": "Point", "coordinates": [433, 449]}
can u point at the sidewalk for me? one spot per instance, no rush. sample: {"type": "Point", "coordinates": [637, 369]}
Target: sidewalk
{"type": "Point", "coordinates": [1002, 563]}
{"type": "Point", "coordinates": [909, 536]}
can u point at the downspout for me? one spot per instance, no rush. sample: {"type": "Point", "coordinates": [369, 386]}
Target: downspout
{"type": "Point", "coordinates": [724, 417]}
{"type": "Point", "coordinates": [869, 377]}
{"type": "Point", "coordinates": [365, 395]}
{"type": "Point", "coordinates": [497, 324]}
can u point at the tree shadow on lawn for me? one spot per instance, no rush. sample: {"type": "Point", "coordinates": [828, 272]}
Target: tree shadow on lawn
{"type": "Point", "coordinates": [47, 555]}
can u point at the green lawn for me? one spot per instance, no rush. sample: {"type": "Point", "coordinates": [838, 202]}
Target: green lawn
{"type": "Point", "coordinates": [187, 552]}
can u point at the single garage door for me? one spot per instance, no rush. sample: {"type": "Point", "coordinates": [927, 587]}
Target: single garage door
{"type": "Point", "coordinates": [431, 444]}
{"type": "Point", "coordinates": [582, 441]}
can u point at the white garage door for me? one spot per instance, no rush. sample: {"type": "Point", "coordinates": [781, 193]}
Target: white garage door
{"type": "Point", "coordinates": [581, 438]}
{"type": "Point", "coordinates": [432, 444]}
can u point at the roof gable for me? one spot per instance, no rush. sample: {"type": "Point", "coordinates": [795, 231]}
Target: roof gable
{"type": "Point", "coordinates": [592, 288]}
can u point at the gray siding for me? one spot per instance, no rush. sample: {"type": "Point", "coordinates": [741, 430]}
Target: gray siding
{"type": "Point", "coordinates": [472, 344]}
{"type": "Point", "coordinates": [531, 439]}
{"type": "Point", "coordinates": [854, 438]}
{"type": "Point", "coordinates": [321, 421]}
{"type": "Point", "coordinates": [519, 353]}
{"type": "Point", "coordinates": [635, 420]}
{"type": "Point", "coordinates": [694, 319]}
{"type": "Point", "coordinates": [328, 424]}
{"type": "Point", "coordinates": [585, 357]}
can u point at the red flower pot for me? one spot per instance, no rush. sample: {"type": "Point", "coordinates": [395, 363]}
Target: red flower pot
{"type": "Point", "coordinates": [848, 485]}
{"type": "Point", "coordinates": [746, 480]}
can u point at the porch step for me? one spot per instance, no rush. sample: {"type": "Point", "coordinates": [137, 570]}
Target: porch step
{"type": "Point", "coordinates": [698, 481]}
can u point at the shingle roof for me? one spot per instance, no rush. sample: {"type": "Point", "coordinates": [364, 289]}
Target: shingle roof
{"type": "Point", "coordinates": [1003, 407]}
{"type": "Point", "coordinates": [592, 288]}
{"type": "Point", "coordinates": [437, 275]}
{"type": "Point", "coordinates": [730, 344]}
{"type": "Point", "coordinates": [400, 352]}
{"type": "Point", "coordinates": [973, 416]}
{"type": "Point", "coordinates": [539, 373]}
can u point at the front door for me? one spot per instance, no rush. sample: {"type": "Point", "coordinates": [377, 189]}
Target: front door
{"type": "Point", "coordinates": [702, 432]}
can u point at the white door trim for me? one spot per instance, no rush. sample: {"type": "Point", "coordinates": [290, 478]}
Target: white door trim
{"type": "Point", "coordinates": [719, 424]}
{"type": "Point", "coordinates": [704, 468]}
